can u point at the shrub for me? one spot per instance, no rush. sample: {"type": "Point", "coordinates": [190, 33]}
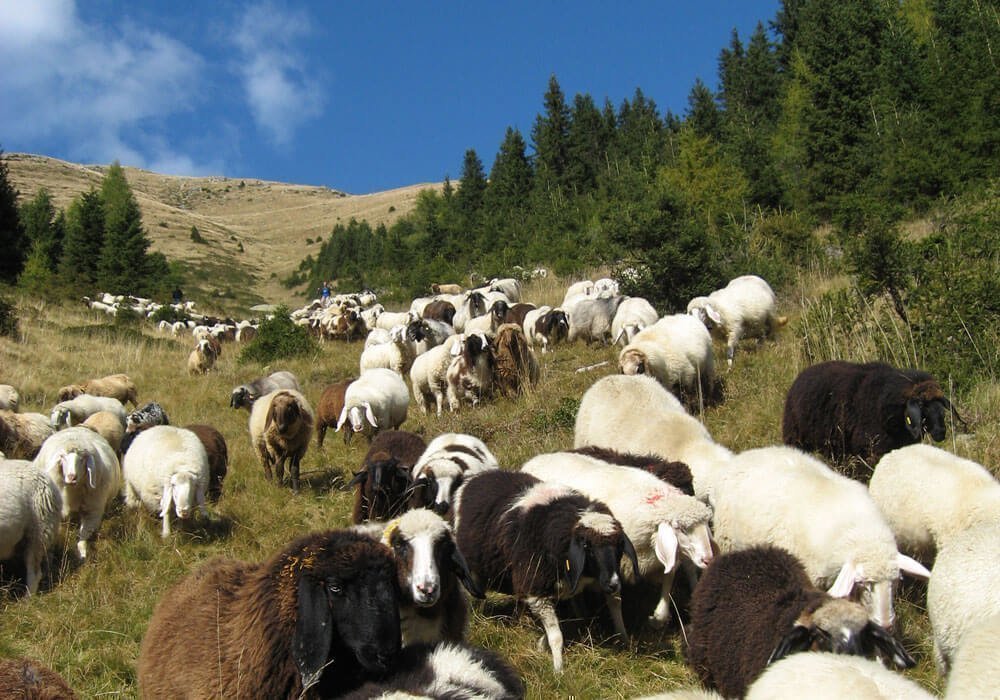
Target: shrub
{"type": "Point", "coordinates": [278, 338]}
{"type": "Point", "coordinates": [196, 235]}
{"type": "Point", "coordinates": [8, 319]}
{"type": "Point", "coordinates": [169, 314]}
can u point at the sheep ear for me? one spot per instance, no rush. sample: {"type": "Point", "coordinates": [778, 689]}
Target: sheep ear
{"type": "Point", "coordinates": [456, 347]}
{"type": "Point", "coordinates": [370, 415]}
{"type": "Point", "coordinates": [713, 314]}
{"type": "Point", "coordinates": [575, 559]}
{"type": "Point", "coordinates": [359, 478]}
{"type": "Point", "coordinates": [89, 462]}
{"type": "Point", "coordinates": [799, 639]}
{"type": "Point", "coordinates": [168, 493]}
{"type": "Point", "coordinates": [461, 569]}
{"type": "Point", "coordinates": [909, 565]}
{"type": "Point", "coordinates": [665, 547]}
{"type": "Point", "coordinates": [630, 553]}
{"type": "Point", "coordinates": [844, 584]}
{"type": "Point", "coordinates": [888, 646]}
{"type": "Point", "coordinates": [269, 417]}
{"type": "Point", "coordinates": [913, 418]}
{"type": "Point", "coordinates": [341, 420]}
{"type": "Point", "coordinates": [313, 624]}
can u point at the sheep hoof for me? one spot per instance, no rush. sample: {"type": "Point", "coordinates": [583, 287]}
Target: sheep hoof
{"type": "Point", "coordinates": [658, 624]}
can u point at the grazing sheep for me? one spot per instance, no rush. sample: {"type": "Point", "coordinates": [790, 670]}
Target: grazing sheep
{"type": "Point", "coordinates": [677, 351]}
{"type": "Point", "coordinates": [384, 478]}
{"type": "Point", "coordinates": [166, 466]}
{"type": "Point", "coordinates": [22, 434]}
{"type": "Point", "coordinates": [390, 319]}
{"type": "Point", "coordinates": [377, 400]}
{"type": "Point", "coordinates": [446, 288]}
{"type": "Point", "coordinates": [76, 410]}
{"type": "Point", "coordinates": [756, 606]}
{"type": "Point", "coordinates": [320, 615]}
{"type": "Point", "coordinates": [509, 287]}
{"type": "Point", "coordinates": [546, 326]}
{"type": "Point", "coordinates": [202, 358]}
{"type": "Point", "coordinates": [783, 497]}
{"type": "Point", "coordinates": [281, 424]}
{"type": "Point", "coordinates": [432, 606]}
{"type": "Point", "coordinates": [30, 680]}
{"type": "Point", "coordinates": [663, 523]}
{"type": "Point", "coordinates": [218, 458]}
{"type": "Point", "coordinates": [449, 459]}
{"type": "Point", "coordinates": [470, 374]}
{"type": "Point", "coordinates": [85, 468]}
{"type": "Point", "coordinates": [107, 425]}
{"type": "Point", "coordinates": [541, 543]}
{"type": "Point", "coordinates": [515, 366]}
{"type": "Point", "coordinates": [517, 312]}
{"type": "Point", "coordinates": [676, 474]}
{"type": "Point", "coordinates": [151, 413]}
{"type": "Point", "coordinates": [633, 314]}
{"type": "Point", "coordinates": [329, 408]}
{"type": "Point", "coordinates": [396, 355]}
{"type": "Point", "coordinates": [974, 671]}
{"type": "Point", "coordinates": [116, 386]}
{"type": "Point", "coordinates": [844, 409]}
{"type": "Point", "coordinates": [428, 333]}
{"type": "Point", "coordinates": [827, 676]}
{"type": "Point", "coordinates": [244, 395]}
{"type": "Point", "coordinates": [30, 512]}
{"type": "Point", "coordinates": [928, 495]}
{"type": "Point", "coordinates": [9, 398]}
{"type": "Point", "coordinates": [429, 377]}
{"type": "Point", "coordinates": [637, 414]}
{"type": "Point", "coordinates": [746, 307]}
{"type": "Point", "coordinates": [590, 319]}
{"type": "Point", "coordinates": [963, 588]}
{"type": "Point", "coordinates": [445, 670]}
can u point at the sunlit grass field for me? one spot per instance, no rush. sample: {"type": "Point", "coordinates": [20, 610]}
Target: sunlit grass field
{"type": "Point", "coordinates": [89, 620]}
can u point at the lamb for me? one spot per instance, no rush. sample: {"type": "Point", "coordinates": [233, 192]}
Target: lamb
{"type": "Point", "coordinates": [30, 507]}
{"type": "Point", "coordinates": [637, 414]}
{"type": "Point", "coordinates": [928, 495]}
{"type": "Point", "coordinates": [590, 319]}
{"type": "Point", "coordinates": [546, 326]}
{"type": "Point", "coordinates": [107, 425]}
{"type": "Point", "coordinates": [757, 606]}
{"type": "Point", "coordinates": [218, 458]}
{"type": "Point", "coordinates": [974, 672]}
{"type": "Point", "coordinates": [22, 434]}
{"type": "Point", "coordinates": [244, 395]}
{"type": "Point", "coordinates": [827, 676]}
{"type": "Point", "coordinates": [30, 680]}
{"type": "Point", "coordinates": [634, 314]}
{"type": "Point", "coordinates": [783, 497]}
{"type": "Point", "coordinates": [843, 409]}
{"type": "Point", "coordinates": [677, 351]}
{"type": "Point", "coordinates": [662, 522]}
{"type": "Point", "coordinates": [9, 398]}
{"type": "Point", "coordinates": [281, 424]}
{"type": "Point", "coordinates": [202, 358]}
{"type": "Point", "coordinates": [331, 403]}
{"type": "Point", "coordinates": [382, 484]}
{"type": "Point", "coordinates": [76, 410]}
{"type": "Point", "coordinates": [746, 307]}
{"type": "Point", "coordinates": [963, 589]}
{"type": "Point", "coordinates": [86, 469]}
{"type": "Point", "coordinates": [396, 355]}
{"type": "Point", "coordinates": [117, 386]}
{"type": "Point", "coordinates": [320, 615]}
{"type": "Point", "coordinates": [541, 543]}
{"type": "Point", "coordinates": [165, 466]}
{"type": "Point", "coordinates": [515, 365]}
{"type": "Point", "coordinates": [470, 374]}
{"type": "Point", "coordinates": [432, 606]}
{"type": "Point", "coordinates": [429, 377]}
{"type": "Point", "coordinates": [378, 400]}
{"type": "Point", "coordinates": [449, 459]}
{"type": "Point", "coordinates": [445, 670]}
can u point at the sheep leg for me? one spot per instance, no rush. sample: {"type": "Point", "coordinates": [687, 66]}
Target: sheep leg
{"type": "Point", "coordinates": [661, 615]}
{"type": "Point", "coordinates": [293, 469]}
{"type": "Point", "coordinates": [32, 567]}
{"type": "Point", "coordinates": [165, 531]}
{"type": "Point", "coordinates": [545, 611]}
{"type": "Point", "coordinates": [279, 470]}
{"type": "Point", "coordinates": [614, 602]}
{"type": "Point", "coordinates": [320, 434]}
{"type": "Point", "coordinates": [90, 521]}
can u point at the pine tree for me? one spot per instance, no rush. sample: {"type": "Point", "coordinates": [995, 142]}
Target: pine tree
{"type": "Point", "coordinates": [469, 198]}
{"type": "Point", "coordinates": [639, 133]}
{"type": "Point", "coordinates": [510, 177]}
{"type": "Point", "coordinates": [13, 242]}
{"type": "Point", "coordinates": [587, 144]}
{"type": "Point", "coordinates": [122, 267]}
{"type": "Point", "coordinates": [550, 135]}
{"type": "Point", "coordinates": [83, 241]}
{"type": "Point", "coordinates": [703, 113]}
{"type": "Point", "coordinates": [43, 229]}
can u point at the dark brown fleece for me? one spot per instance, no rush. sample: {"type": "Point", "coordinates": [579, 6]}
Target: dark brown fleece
{"type": "Point", "coordinates": [389, 462]}
{"type": "Point", "coordinates": [676, 474]}
{"type": "Point", "coordinates": [24, 679]}
{"type": "Point", "coordinates": [218, 457]}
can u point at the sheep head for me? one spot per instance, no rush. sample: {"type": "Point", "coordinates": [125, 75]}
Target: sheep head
{"type": "Point", "coordinates": [925, 410]}
{"type": "Point", "coordinates": [75, 468]}
{"type": "Point", "coordinates": [633, 361]}
{"type": "Point", "coordinates": [875, 594]}
{"type": "Point", "coordinates": [70, 392]}
{"type": "Point", "coordinates": [596, 547]}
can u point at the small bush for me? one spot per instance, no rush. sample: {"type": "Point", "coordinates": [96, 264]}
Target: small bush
{"type": "Point", "coordinates": [278, 338]}
{"type": "Point", "coordinates": [8, 319]}
{"type": "Point", "coordinates": [196, 235]}
{"type": "Point", "coordinates": [168, 314]}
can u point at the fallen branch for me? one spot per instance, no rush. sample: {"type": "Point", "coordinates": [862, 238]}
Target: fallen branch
{"type": "Point", "coordinates": [590, 367]}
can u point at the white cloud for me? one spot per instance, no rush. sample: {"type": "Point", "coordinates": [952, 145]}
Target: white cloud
{"type": "Point", "coordinates": [279, 87]}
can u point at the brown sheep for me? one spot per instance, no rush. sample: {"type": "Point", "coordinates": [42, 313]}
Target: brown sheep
{"type": "Point", "coordinates": [320, 614]}
{"type": "Point", "coordinates": [516, 366]}
{"type": "Point", "coordinates": [116, 386]}
{"type": "Point", "coordinates": [446, 289]}
{"type": "Point", "coordinates": [30, 680]}
{"type": "Point", "coordinates": [329, 408]}
{"type": "Point", "coordinates": [218, 458]}
{"type": "Point", "coordinates": [384, 479]}
{"type": "Point", "coordinates": [440, 310]}
{"type": "Point", "coordinates": [517, 312]}
{"type": "Point", "coordinates": [109, 427]}
{"type": "Point", "coordinates": [281, 424]}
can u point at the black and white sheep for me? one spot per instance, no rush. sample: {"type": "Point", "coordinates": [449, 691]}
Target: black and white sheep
{"type": "Point", "coordinates": [449, 459]}
{"type": "Point", "coordinates": [383, 482]}
{"type": "Point", "coordinates": [428, 333]}
{"type": "Point", "coordinates": [377, 400]}
{"type": "Point", "coordinates": [470, 374]}
{"type": "Point", "coordinates": [144, 417]}
{"type": "Point", "coordinates": [321, 614]}
{"type": "Point", "coordinates": [758, 605]}
{"type": "Point", "coordinates": [674, 473]}
{"type": "Point", "coordinates": [844, 409]}
{"type": "Point", "coordinates": [431, 572]}
{"type": "Point", "coordinates": [244, 395]}
{"type": "Point", "coordinates": [30, 512]}
{"type": "Point", "coordinates": [545, 327]}
{"type": "Point", "coordinates": [541, 543]}
{"type": "Point", "coordinates": [281, 425]}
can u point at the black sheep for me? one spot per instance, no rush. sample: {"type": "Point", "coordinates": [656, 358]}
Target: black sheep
{"type": "Point", "coordinates": [674, 473]}
{"type": "Point", "coordinates": [843, 409]}
{"type": "Point", "coordinates": [383, 482]}
{"type": "Point", "coordinates": [758, 605]}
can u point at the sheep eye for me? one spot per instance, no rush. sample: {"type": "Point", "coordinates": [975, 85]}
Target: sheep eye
{"type": "Point", "coordinates": [335, 589]}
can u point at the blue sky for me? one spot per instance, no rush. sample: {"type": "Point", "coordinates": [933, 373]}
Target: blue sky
{"type": "Point", "coordinates": [357, 96]}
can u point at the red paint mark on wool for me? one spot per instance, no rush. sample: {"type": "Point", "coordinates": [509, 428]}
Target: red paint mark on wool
{"type": "Point", "coordinates": [654, 497]}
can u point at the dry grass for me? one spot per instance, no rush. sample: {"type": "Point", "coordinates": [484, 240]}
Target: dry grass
{"type": "Point", "coordinates": [89, 622]}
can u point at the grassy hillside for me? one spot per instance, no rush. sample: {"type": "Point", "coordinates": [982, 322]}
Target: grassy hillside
{"type": "Point", "coordinates": [256, 231]}
{"type": "Point", "coordinates": [89, 621]}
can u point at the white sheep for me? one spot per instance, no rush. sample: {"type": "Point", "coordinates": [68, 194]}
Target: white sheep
{"type": "Point", "coordinates": [30, 507]}
{"type": "Point", "coordinates": [746, 307]}
{"type": "Point", "coordinates": [397, 354]}
{"type": "Point", "coordinates": [166, 466]}
{"type": "Point", "coordinates": [76, 410]}
{"type": "Point", "coordinates": [509, 287]}
{"type": "Point", "coordinates": [783, 497]}
{"type": "Point", "coordinates": [963, 587]}
{"type": "Point", "coordinates": [828, 676]}
{"type": "Point", "coordinates": [677, 351]}
{"type": "Point", "coordinates": [467, 306]}
{"type": "Point", "coordinates": [429, 376]}
{"type": "Point", "coordinates": [928, 494]}
{"type": "Point", "coordinates": [9, 398]}
{"type": "Point", "coordinates": [661, 521]}
{"type": "Point", "coordinates": [377, 400]}
{"type": "Point", "coordinates": [974, 671]}
{"type": "Point", "coordinates": [22, 434]}
{"type": "Point", "coordinates": [634, 314]}
{"type": "Point", "coordinates": [590, 319]}
{"type": "Point", "coordinates": [388, 319]}
{"type": "Point", "coordinates": [202, 358]}
{"type": "Point", "coordinates": [637, 414]}
{"type": "Point", "coordinates": [85, 468]}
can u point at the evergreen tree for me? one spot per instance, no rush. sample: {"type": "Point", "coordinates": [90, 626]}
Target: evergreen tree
{"type": "Point", "coordinates": [511, 176]}
{"type": "Point", "coordinates": [786, 26]}
{"type": "Point", "coordinates": [550, 135]}
{"type": "Point", "coordinates": [639, 134]}
{"type": "Point", "coordinates": [13, 242]}
{"type": "Point", "coordinates": [122, 267]}
{"type": "Point", "coordinates": [587, 144]}
{"type": "Point", "coordinates": [703, 113]}
{"type": "Point", "coordinates": [84, 240]}
{"type": "Point", "coordinates": [43, 228]}
{"type": "Point", "coordinates": [469, 198]}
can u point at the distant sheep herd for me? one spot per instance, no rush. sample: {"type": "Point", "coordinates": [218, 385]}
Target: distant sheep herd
{"type": "Point", "coordinates": [789, 565]}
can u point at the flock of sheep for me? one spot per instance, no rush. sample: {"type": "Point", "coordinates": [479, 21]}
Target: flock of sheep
{"type": "Point", "coordinates": [783, 568]}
